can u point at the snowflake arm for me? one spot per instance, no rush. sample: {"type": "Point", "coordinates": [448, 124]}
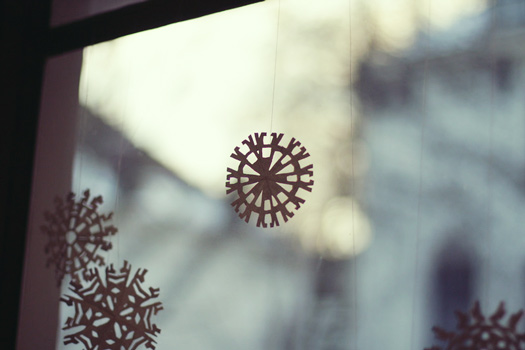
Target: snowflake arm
{"type": "Point", "coordinates": [475, 331]}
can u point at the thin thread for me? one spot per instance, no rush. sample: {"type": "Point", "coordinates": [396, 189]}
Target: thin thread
{"type": "Point", "coordinates": [117, 194]}
{"type": "Point", "coordinates": [490, 187]}
{"type": "Point", "coordinates": [83, 104]}
{"type": "Point", "coordinates": [272, 113]}
{"type": "Point", "coordinates": [120, 156]}
{"type": "Point", "coordinates": [275, 61]}
{"type": "Point", "coordinates": [420, 186]}
{"type": "Point", "coordinates": [352, 180]}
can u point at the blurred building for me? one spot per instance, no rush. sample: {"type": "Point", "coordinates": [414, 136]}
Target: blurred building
{"type": "Point", "coordinates": [444, 123]}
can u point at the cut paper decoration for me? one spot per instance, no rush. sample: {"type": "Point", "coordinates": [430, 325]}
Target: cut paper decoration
{"type": "Point", "coordinates": [112, 313]}
{"type": "Point", "coordinates": [267, 179]}
{"type": "Point", "coordinates": [475, 332]}
{"type": "Point", "coordinates": [76, 235]}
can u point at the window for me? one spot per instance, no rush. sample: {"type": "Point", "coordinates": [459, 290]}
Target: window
{"type": "Point", "coordinates": [412, 118]}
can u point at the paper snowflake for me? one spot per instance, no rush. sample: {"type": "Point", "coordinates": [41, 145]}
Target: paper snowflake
{"type": "Point", "coordinates": [112, 313]}
{"type": "Point", "coordinates": [267, 179]}
{"type": "Point", "coordinates": [76, 234]}
{"type": "Point", "coordinates": [475, 332]}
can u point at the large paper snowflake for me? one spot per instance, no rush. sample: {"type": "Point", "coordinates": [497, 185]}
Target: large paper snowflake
{"type": "Point", "coordinates": [112, 313]}
{"type": "Point", "coordinates": [76, 234]}
{"type": "Point", "coordinates": [475, 332]}
{"type": "Point", "coordinates": [267, 179]}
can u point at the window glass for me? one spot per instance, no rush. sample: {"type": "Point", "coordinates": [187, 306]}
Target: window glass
{"type": "Point", "coordinates": [412, 117]}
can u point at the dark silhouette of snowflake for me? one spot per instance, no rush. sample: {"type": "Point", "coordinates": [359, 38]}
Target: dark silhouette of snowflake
{"type": "Point", "coordinates": [76, 234]}
{"type": "Point", "coordinates": [112, 313]}
{"type": "Point", "coordinates": [475, 332]}
{"type": "Point", "coordinates": [268, 178]}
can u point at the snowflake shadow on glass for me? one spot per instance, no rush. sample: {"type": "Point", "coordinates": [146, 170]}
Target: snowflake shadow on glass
{"type": "Point", "coordinates": [77, 233]}
{"type": "Point", "coordinates": [267, 179]}
{"type": "Point", "coordinates": [112, 313]}
{"type": "Point", "coordinates": [475, 332]}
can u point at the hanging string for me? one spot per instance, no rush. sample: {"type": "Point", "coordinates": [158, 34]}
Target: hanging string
{"type": "Point", "coordinates": [352, 178]}
{"type": "Point", "coordinates": [490, 187]}
{"type": "Point", "coordinates": [424, 117]}
{"type": "Point", "coordinates": [275, 61]}
{"type": "Point", "coordinates": [117, 195]}
{"type": "Point", "coordinates": [272, 273]}
{"type": "Point", "coordinates": [124, 111]}
{"type": "Point", "coordinates": [80, 147]}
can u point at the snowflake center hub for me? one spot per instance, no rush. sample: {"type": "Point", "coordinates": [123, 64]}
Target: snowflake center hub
{"type": "Point", "coordinates": [267, 174]}
{"type": "Point", "coordinates": [71, 237]}
{"type": "Point", "coordinates": [263, 166]}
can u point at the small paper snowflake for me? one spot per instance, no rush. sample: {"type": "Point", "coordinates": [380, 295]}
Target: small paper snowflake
{"type": "Point", "coordinates": [112, 313]}
{"type": "Point", "coordinates": [475, 332]}
{"type": "Point", "coordinates": [267, 179]}
{"type": "Point", "coordinates": [76, 234]}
